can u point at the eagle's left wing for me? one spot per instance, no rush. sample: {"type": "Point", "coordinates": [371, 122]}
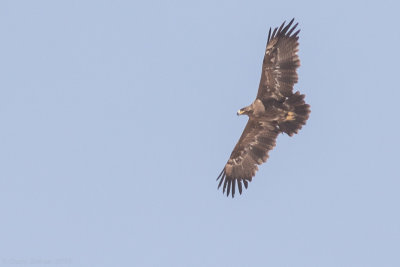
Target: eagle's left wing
{"type": "Point", "coordinates": [257, 139]}
{"type": "Point", "coordinates": [279, 69]}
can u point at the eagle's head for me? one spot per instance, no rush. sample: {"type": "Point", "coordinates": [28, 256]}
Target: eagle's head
{"type": "Point", "coordinates": [256, 109]}
{"type": "Point", "coordinates": [245, 111]}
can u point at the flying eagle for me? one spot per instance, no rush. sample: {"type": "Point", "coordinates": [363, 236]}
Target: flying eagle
{"type": "Point", "coordinates": [275, 110]}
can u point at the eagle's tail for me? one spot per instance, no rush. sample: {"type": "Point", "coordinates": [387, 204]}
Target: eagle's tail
{"type": "Point", "coordinates": [297, 115]}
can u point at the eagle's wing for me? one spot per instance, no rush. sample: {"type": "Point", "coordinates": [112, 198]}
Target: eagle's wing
{"type": "Point", "coordinates": [280, 63]}
{"type": "Point", "coordinates": [257, 139]}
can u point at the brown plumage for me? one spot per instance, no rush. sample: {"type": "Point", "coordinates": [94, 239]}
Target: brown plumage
{"type": "Point", "coordinates": [275, 110]}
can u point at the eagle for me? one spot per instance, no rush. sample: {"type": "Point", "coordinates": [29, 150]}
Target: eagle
{"type": "Point", "coordinates": [275, 110]}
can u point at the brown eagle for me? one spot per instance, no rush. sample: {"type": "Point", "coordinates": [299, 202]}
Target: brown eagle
{"type": "Point", "coordinates": [275, 110]}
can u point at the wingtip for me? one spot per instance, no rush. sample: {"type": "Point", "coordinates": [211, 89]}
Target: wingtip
{"type": "Point", "coordinates": [287, 27]}
{"type": "Point", "coordinates": [233, 187]}
{"type": "Point", "coordinates": [229, 186]}
{"type": "Point", "coordinates": [246, 184]}
{"type": "Point", "coordinates": [274, 32]}
{"type": "Point", "coordinates": [219, 176]}
{"type": "Point", "coordinates": [269, 34]}
{"type": "Point", "coordinates": [292, 29]}
{"type": "Point", "coordinates": [220, 182]}
{"type": "Point", "coordinates": [296, 33]}
{"type": "Point", "coordinates": [280, 28]}
{"type": "Point", "coordinates": [283, 30]}
{"type": "Point", "coordinates": [228, 190]}
{"type": "Point", "coordinates": [240, 186]}
{"type": "Point", "coordinates": [225, 184]}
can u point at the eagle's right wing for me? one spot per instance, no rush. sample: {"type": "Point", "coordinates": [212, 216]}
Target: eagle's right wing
{"type": "Point", "coordinates": [257, 139]}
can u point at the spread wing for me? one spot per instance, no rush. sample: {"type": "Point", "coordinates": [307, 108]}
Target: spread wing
{"type": "Point", "coordinates": [257, 139]}
{"type": "Point", "coordinates": [280, 63]}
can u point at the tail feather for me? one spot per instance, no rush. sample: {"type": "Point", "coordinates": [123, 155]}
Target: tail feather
{"type": "Point", "coordinates": [298, 113]}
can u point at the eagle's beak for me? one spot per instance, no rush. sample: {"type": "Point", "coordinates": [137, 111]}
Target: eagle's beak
{"type": "Point", "coordinates": [240, 112]}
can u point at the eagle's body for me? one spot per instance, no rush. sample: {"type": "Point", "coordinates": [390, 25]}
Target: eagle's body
{"type": "Point", "coordinates": [275, 110]}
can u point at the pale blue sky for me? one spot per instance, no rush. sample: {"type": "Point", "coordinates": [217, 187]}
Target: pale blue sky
{"type": "Point", "coordinates": [117, 116]}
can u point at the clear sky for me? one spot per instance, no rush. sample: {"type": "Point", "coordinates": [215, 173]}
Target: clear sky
{"type": "Point", "coordinates": [116, 117]}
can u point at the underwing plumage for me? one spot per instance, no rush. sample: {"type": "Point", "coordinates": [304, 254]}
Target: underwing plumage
{"type": "Point", "coordinates": [275, 110]}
